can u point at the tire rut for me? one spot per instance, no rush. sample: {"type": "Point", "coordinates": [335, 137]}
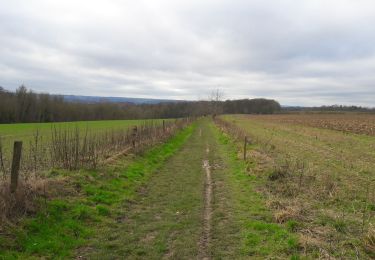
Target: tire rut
{"type": "Point", "coordinates": [204, 246]}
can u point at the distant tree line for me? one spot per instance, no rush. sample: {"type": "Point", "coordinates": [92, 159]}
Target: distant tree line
{"type": "Point", "coordinates": [333, 108]}
{"type": "Point", "coordinates": [251, 106]}
{"type": "Point", "coordinates": [24, 105]}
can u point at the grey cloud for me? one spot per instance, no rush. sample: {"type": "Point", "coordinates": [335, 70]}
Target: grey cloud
{"type": "Point", "coordinates": [309, 52]}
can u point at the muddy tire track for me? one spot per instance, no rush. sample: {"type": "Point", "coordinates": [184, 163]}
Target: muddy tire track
{"type": "Point", "coordinates": [204, 245]}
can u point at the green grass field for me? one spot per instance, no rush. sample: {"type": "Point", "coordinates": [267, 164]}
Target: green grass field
{"type": "Point", "coordinates": [26, 131]}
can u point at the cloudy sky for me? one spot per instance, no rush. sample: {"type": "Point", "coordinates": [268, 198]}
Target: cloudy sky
{"type": "Point", "coordinates": [309, 52]}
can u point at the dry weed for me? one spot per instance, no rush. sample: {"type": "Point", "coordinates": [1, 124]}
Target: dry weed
{"type": "Point", "coordinates": [22, 202]}
{"type": "Point", "coordinates": [369, 240]}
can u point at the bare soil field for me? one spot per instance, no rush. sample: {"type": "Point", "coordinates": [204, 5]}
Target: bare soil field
{"type": "Point", "coordinates": [358, 123]}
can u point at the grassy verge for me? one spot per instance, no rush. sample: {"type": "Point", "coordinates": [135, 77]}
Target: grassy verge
{"type": "Point", "coordinates": [319, 182]}
{"type": "Point", "coordinates": [240, 212]}
{"type": "Point", "coordinates": [89, 200]}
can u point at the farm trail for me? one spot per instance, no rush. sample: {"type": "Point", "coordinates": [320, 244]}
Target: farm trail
{"type": "Point", "coordinates": [173, 216]}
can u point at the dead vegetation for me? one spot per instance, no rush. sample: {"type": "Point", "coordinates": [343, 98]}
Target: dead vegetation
{"type": "Point", "coordinates": [332, 211]}
{"type": "Point", "coordinates": [369, 239]}
{"type": "Point", "coordinates": [18, 203]}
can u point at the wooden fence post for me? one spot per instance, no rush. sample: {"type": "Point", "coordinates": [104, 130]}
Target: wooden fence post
{"type": "Point", "coordinates": [245, 148]}
{"type": "Point", "coordinates": [134, 135]}
{"type": "Point", "coordinates": [163, 126]}
{"type": "Point", "coordinates": [17, 151]}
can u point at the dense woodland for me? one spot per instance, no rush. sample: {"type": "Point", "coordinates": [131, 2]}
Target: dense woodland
{"type": "Point", "coordinates": [27, 106]}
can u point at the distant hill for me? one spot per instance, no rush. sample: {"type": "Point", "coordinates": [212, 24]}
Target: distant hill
{"type": "Point", "coordinates": [98, 99]}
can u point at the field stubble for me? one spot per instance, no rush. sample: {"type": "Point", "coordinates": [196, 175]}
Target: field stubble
{"type": "Point", "coordinates": [358, 123]}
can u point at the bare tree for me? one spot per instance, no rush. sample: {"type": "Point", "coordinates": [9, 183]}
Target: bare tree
{"type": "Point", "coordinates": [216, 98]}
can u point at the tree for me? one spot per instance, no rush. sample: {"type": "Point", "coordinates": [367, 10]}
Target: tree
{"type": "Point", "coordinates": [216, 97]}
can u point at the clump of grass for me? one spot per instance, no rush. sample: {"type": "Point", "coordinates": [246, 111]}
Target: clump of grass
{"type": "Point", "coordinates": [340, 225]}
{"type": "Point", "coordinates": [279, 173]}
{"type": "Point", "coordinates": [83, 212]}
{"type": "Point", "coordinates": [103, 211]}
{"type": "Point", "coordinates": [280, 237]}
{"type": "Point", "coordinates": [292, 225]}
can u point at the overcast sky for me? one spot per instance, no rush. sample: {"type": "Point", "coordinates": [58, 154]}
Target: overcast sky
{"type": "Point", "coordinates": [300, 52]}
